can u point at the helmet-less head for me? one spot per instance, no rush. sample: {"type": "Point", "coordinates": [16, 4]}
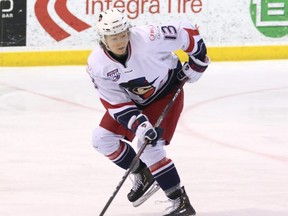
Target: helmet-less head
{"type": "Point", "coordinates": [113, 29]}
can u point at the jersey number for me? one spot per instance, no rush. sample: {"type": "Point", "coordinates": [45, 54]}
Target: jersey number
{"type": "Point", "coordinates": [169, 32]}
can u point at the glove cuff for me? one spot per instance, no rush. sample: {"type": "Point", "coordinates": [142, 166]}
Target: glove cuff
{"type": "Point", "coordinates": [135, 121]}
{"type": "Point", "coordinates": [181, 75]}
{"type": "Point", "coordinates": [198, 65]}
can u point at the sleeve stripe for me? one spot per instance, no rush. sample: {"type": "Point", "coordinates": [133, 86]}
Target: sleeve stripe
{"type": "Point", "coordinates": [124, 116]}
{"type": "Point", "coordinates": [191, 34]}
{"type": "Point", "coordinates": [110, 106]}
{"type": "Point", "coordinates": [121, 112]}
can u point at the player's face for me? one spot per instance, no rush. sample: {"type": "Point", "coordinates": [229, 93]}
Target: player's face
{"type": "Point", "coordinates": [118, 43]}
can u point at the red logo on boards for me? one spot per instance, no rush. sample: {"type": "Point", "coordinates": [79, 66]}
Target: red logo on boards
{"type": "Point", "coordinates": [50, 26]}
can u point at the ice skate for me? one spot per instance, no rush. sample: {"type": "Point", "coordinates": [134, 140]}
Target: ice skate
{"type": "Point", "coordinates": [144, 186]}
{"type": "Point", "coordinates": [180, 204]}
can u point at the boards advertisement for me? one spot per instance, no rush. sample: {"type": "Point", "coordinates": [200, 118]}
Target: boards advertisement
{"type": "Point", "coordinates": [227, 25]}
{"type": "Point", "coordinates": [13, 23]}
{"type": "Point", "coordinates": [68, 24]}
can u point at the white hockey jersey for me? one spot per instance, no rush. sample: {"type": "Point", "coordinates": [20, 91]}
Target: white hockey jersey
{"type": "Point", "coordinates": [148, 70]}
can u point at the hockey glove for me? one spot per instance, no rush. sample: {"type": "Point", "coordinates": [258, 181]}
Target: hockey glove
{"type": "Point", "coordinates": [193, 69]}
{"type": "Point", "coordinates": [142, 128]}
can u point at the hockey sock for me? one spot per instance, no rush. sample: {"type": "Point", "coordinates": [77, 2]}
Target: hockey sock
{"type": "Point", "coordinates": [167, 176]}
{"type": "Point", "coordinates": [124, 156]}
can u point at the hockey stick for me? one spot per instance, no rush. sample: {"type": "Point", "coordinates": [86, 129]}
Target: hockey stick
{"type": "Point", "coordinates": [139, 153]}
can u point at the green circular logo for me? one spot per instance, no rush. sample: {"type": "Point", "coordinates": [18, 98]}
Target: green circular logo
{"type": "Point", "coordinates": [270, 17]}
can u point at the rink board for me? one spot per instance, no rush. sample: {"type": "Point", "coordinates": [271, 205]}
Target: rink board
{"type": "Point", "coordinates": [79, 57]}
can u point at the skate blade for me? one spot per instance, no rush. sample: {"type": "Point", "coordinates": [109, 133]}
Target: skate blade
{"type": "Point", "coordinates": [152, 190]}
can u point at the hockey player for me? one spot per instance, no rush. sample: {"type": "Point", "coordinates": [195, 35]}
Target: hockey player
{"type": "Point", "coordinates": [135, 74]}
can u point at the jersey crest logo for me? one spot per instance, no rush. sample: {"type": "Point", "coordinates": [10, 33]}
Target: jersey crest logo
{"type": "Point", "coordinates": [140, 87]}
{"type": "Point", "coordinates": [113, 75]}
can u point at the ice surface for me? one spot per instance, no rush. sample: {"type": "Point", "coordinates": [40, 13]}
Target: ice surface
{"type": "Point", "coordinates": [230, 147]}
